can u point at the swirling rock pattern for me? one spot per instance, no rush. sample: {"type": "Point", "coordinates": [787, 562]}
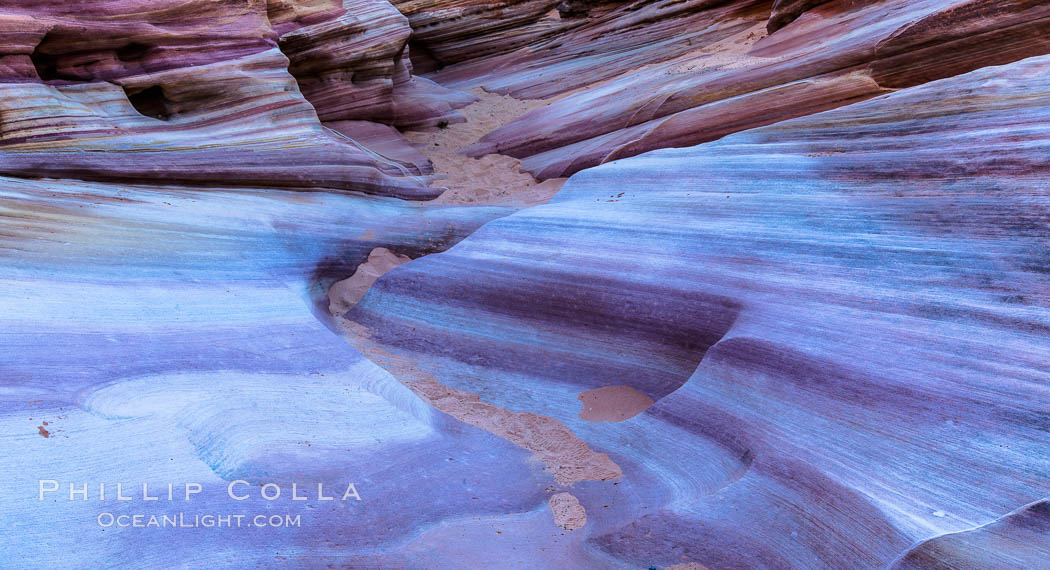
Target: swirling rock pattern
{"type": "Point", "coordinates": [819, 343]}
{"type": "Point", "coordinates": [451, 31]}
{"type": "Point", "coordinates": [786, 11]}
{"type": "Point", "coordinates": [837, 54]}
{"type": "Point", "coordinates": [157, 96]}
{"type": "Point", "coordinates": [164, 334]}
{"type": "Point", "coordinates": [355, 66]}
{"type": "Point", "coordinates": [842, 319]}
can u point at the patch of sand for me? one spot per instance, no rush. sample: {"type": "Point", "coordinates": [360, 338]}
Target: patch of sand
{"type": "Point", "coordinates": [613, 404]}
{"type": "Point", "coordinates": [343, 295]}
{"type": "Point", "coordinates": [564, 455]}
{"type": "Point", "coordinates": [568, 513]}
{"type": "Point", "coordinates": [729, 53]}
{"type": "Point", "coordinates": [493, 179]}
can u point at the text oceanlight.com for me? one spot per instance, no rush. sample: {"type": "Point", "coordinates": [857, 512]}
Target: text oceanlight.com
{"type": "Point", "coordinates": [197, 520]}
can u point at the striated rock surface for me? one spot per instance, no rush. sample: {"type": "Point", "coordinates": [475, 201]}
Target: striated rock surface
{"type": "Point", "coordinates": [1024, 530]}
{"type": "Point", "coordinates": [157, 95]}
{"type": "Point", "coordinates": [451, 31]}
{"type": "Point", "coordinates": [167, 335]}
{"type": "Point", "coordinates": [632, 35]}
{"type": "Point", "coordinates": [228, 256]}
{"type": "Point", "coordinates": [842, 320]}
{"type": "Point", "coordinates": [786, 11]}
{"type": "Point", "coordinates": [835, 54]}
{"type": "Point", "coordinates": [354, 65]}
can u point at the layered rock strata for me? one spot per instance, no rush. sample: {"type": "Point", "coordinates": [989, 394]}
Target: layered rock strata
{"type": "Point", "coordinates": [832, 55]}
{"type": "Point", "coordinates": [842, 319]}
{"type": "Point", "coordinates": [816, 343]}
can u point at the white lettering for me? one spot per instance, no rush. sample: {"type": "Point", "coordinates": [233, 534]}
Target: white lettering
{"type": "Point", "coordinates": [269, 485]}
{"type": "Point", "coordinates": [229, 490]}
{"type": "Point", "coordinates": [193, 489]}
{"type": "Point", "coordinates": [351, 491]}
{"type": "Point", "coordinates": [73, 491]}
{"type": "Point", "coordinates": [52, 486]}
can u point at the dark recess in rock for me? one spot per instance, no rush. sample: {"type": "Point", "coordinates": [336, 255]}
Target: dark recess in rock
{"type": "Point", "coordinates": [132, 52]}
{"type": "Point", "coordinates": [150, 102]}
{"type": "Point", "coordinates": [423, 60]}
{"type": "Point", "coordinates": [46, 64]}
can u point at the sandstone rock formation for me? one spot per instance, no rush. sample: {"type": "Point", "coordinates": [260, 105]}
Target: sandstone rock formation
{"type": "Point", "coordinates": [816, 340]}
{"type": "Point", "coordinates": [354, 65]}
{"type": "Point", "coordinates": [165, 93]}
{"type": "Point", "coordinates": [451, 31]}
{"type": "Point", "coordinates": [786, 11]}
{"type": "Point", "coordinates": [863, 287]}
{"type": "Point", "coordinates": [837, 54]}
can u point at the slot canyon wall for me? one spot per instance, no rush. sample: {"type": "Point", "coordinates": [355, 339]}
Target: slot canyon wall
{"type": "Point", "coordinates": [790, 309]}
